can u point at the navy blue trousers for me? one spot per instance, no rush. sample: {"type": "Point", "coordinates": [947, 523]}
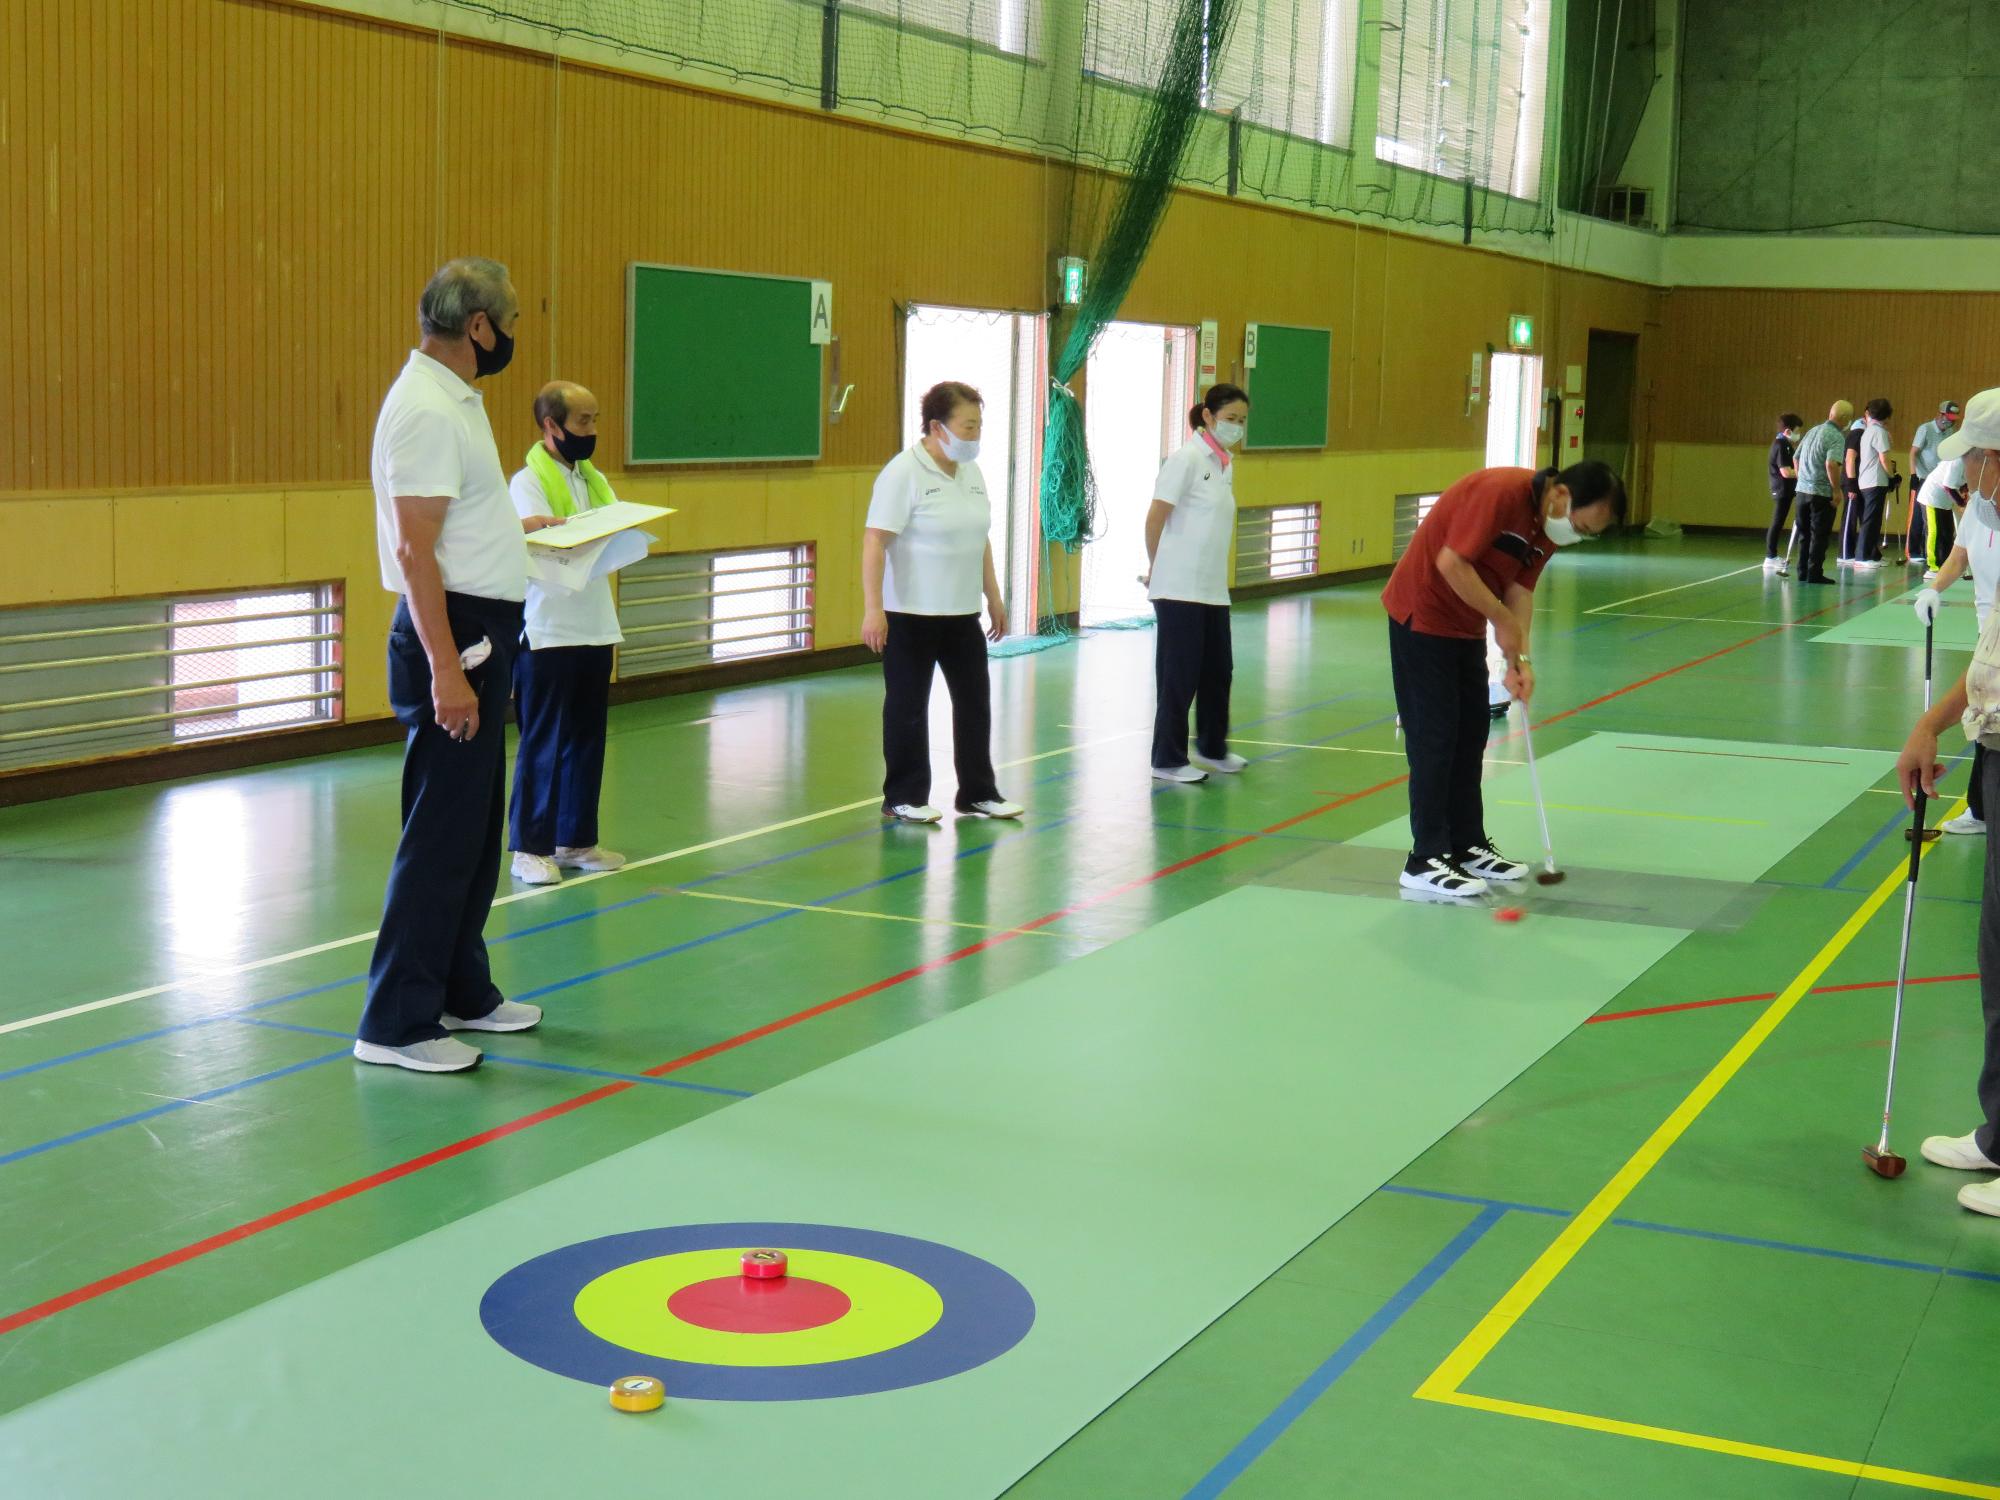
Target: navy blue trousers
{"type": "Point", "coordinates": [430, 956]}
{"type": "Point", "coordinates": [562, 695]}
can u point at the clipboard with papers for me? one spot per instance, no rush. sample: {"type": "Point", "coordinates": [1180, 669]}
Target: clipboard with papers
{"type": "Point", "coordinates": [592, 545]}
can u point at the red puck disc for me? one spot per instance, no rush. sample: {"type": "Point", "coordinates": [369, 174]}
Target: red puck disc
{"type": "Point", "coordinates": [1509, 914]}
{"type": "Point", "coordinates": [763, 1265]}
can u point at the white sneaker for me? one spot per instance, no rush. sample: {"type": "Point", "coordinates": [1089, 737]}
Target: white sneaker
{"type": "Point", "coordinates": [1440, 877]}
{"type": "Point", "coordinates": [441, 1055]}
{"type": "Point", "coordinates": [1930, 575]}
{"type": "Point", "coordinates": [913, 812]}
{"type": "Point", "coordinates": [1187, 774]}
{"type": "Point", "coordinates": [1863, 566]}
{"type": "Point", "coordinates": [1963, 823]}
{"type": "Point", "coordinates": [1773, 564]}
{"type": "Point", "coordinates": [595, 858]}
{"type": "Point", "coordinates": [1488, 863]}
{"type": "Point", "coordinates": [1959, 1152]}
{"type": "Point", "coordinates": [536, 869]}
{"type": "Point", "coordinates": [508, 1015]}
{"type": "Point", "coordinates": [1981, 1197]}
{"type": "Point", "coordinates": [1229, 765]}
{"type": "Point", "coordinates": [998, 807]}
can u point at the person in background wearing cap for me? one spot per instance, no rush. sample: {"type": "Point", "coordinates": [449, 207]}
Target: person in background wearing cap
{"type": "Point", "coordinates": [1784, 483]}
{"type": "Point", "coordinates": [1475, 561]}
{"type": "Point", "coordinates": [1819, 480]}
{"type": "Point", "coordinates": [1871, 473]}
{"type": "Point", "coordinates": [1977, 551]}
{"type": "Point", "coordinates": [1974, 702]}
{"type": "Point", "coordinates": [1930, 530]}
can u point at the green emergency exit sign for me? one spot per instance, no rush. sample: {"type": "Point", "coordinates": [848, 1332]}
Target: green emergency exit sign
{"type": "Point", "coordinates": [1521, 332]}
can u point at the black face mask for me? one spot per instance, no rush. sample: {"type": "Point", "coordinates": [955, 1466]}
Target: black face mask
{"type": "Point", "coordinates": [574, 447]}
{"type": "Point", "coordinates": [492, 361]}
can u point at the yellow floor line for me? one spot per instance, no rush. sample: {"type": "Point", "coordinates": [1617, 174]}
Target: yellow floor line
{"type": "Point", "coordinates": [1633, 812]}
{"type": "Point", "coordinates": [847, 911]}
{"type": "Point", "coordinates": [1850, 1468]}
{"type": "Point", "coordinates": [1444, 1384]}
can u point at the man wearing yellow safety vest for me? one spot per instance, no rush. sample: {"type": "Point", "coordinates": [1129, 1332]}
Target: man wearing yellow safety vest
{"type": "Point", "coordinates": [562, 682]}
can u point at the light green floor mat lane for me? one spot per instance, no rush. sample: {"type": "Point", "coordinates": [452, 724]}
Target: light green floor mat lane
{"type": "Point", "coordinates": [1894, 623]}
{"type": "Point", "coordinates": [1138, 1138]}
{"type": "Point", "coordinates": [1705, 809]}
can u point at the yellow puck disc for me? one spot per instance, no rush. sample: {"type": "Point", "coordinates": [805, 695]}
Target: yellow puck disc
{"type": "Point", "coordinates": [637, 1393]}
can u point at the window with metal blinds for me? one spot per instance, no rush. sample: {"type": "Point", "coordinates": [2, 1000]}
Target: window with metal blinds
{"type": "Point", "coordinates": [1463, 89]}
{"type": "Point", "coordinates": [1289, 66]}
{"type": "Point", "coordinates": [111, 676]}
{"type": "Point", "coordinates": [1010, 25]}
{"type": "Point", "coordinates": [1126, 40]}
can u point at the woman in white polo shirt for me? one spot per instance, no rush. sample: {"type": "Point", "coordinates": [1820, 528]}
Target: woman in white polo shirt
{"type": "Point", "coordinates": [925, 561]}
{"type": "Point", "coordinates": [1188, 533]}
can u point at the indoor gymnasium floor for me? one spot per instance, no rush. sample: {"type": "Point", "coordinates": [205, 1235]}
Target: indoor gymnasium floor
{"type": "Point", "coordinates": [1151, 1147]}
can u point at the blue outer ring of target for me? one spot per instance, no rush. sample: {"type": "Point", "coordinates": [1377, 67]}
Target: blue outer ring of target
{"type": "Point", "coordinates": [530, 1312]}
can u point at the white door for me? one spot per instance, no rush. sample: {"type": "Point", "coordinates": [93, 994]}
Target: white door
{"type": "Point", "coordinates": [1513, 416]}
{"type": "Point", "coordinates": [1002, 356]}
{"type": "Point", "coordinates": [1140, 384]}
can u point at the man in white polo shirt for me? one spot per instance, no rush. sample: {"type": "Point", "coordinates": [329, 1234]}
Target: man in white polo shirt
{"type": "Point", "coordinates": [1873, 472]}
{"type": "Point", "coordinates": [452, 546]}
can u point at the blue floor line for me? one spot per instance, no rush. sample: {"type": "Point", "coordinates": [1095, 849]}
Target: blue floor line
{"type": "Point", "coordinates": [1467, 1198]}
{"type": "Point", "coordinates": [1260, 1438]}
{"type": "Point", "coordinates": [168, 1107]}
{"type": "Point", "coordinates": [527, 1062]}
{"type": "Point", "coordinates": [1848, 1255]}
{"type": "Point", "coordinates": [69, 1057]}
{"type": "Point", "coordinates": [1900, 820]}
{"type": "Point", "coordinates": [1718, 1235]}
{"type": "Point", "coordinates": [1491, 1212]}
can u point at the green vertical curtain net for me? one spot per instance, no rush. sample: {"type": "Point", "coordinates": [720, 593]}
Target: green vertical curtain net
{"type": "Point", "coordinates": [1115, 248]}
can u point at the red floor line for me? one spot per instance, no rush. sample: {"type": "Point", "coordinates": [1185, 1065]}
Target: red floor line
{"type": "Point", "coordinates": [1825, 989]}
{"type": "Point", "coordinates": [1633, 687]}
{"type": "Point", "coordinates": [246, 1230]}
{"type": "Point", "coordinates": [298, 1210]}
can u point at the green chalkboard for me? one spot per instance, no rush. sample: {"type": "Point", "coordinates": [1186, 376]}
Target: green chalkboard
{"type": "Point", "coordinates": [1289, 386]}
{"type": "Point", "coordinates": [719, 368]}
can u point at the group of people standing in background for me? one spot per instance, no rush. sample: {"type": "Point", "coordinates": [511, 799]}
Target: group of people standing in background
{"type": "Point", "coordinates": [475, 631]}
{"type": "Point", "coordinates": [1848, 458]}
{"type": "Point", "coordinates": [927, 562]}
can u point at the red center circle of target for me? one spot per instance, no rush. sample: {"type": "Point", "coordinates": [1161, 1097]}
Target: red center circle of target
{"type": "Point", "coordinates": [744, 1304]}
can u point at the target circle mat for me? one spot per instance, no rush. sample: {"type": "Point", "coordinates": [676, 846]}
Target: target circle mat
{"type": "Point", "coordinates": [858, 1312]}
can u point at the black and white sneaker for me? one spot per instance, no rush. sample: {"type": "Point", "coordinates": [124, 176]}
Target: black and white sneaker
{"type": "Point", "coordinates": [1440, 877]}
{"type": "Point", "coordinates": [1489, 863]}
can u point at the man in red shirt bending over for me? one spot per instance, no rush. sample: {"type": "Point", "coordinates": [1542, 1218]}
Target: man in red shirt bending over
{"type": "Point", "coordinates": [1474, 561]}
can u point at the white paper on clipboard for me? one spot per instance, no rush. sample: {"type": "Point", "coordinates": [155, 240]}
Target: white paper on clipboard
{"type": "Point", "coordinates": [585, 527]}
{"type": "Point", "coordinates": [572, 568]}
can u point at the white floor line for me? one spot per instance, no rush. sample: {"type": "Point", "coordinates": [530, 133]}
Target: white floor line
{"type": "Point", "coordinates": [1491, 760]}
{"type": "Point", "coordinates": [1605, 609]}
{"type": "Point", "coordinates": [150, 991]}
{"type": "Point", "coordinates": [1633, 614]}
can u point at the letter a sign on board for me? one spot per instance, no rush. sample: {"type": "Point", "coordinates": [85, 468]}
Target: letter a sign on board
{"type": "Point", "coordinates": [822, 312]}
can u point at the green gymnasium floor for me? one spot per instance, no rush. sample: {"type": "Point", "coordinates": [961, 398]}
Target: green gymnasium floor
{"type": "Point", "coordinates": [1314, 1191]}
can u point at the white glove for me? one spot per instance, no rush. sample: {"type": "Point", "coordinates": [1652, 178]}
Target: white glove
{"type": "Point", "coordinates": [1926, 605]}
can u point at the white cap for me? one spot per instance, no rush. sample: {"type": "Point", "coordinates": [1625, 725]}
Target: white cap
{"type": "Point", "coordinates": [1980, 429]}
